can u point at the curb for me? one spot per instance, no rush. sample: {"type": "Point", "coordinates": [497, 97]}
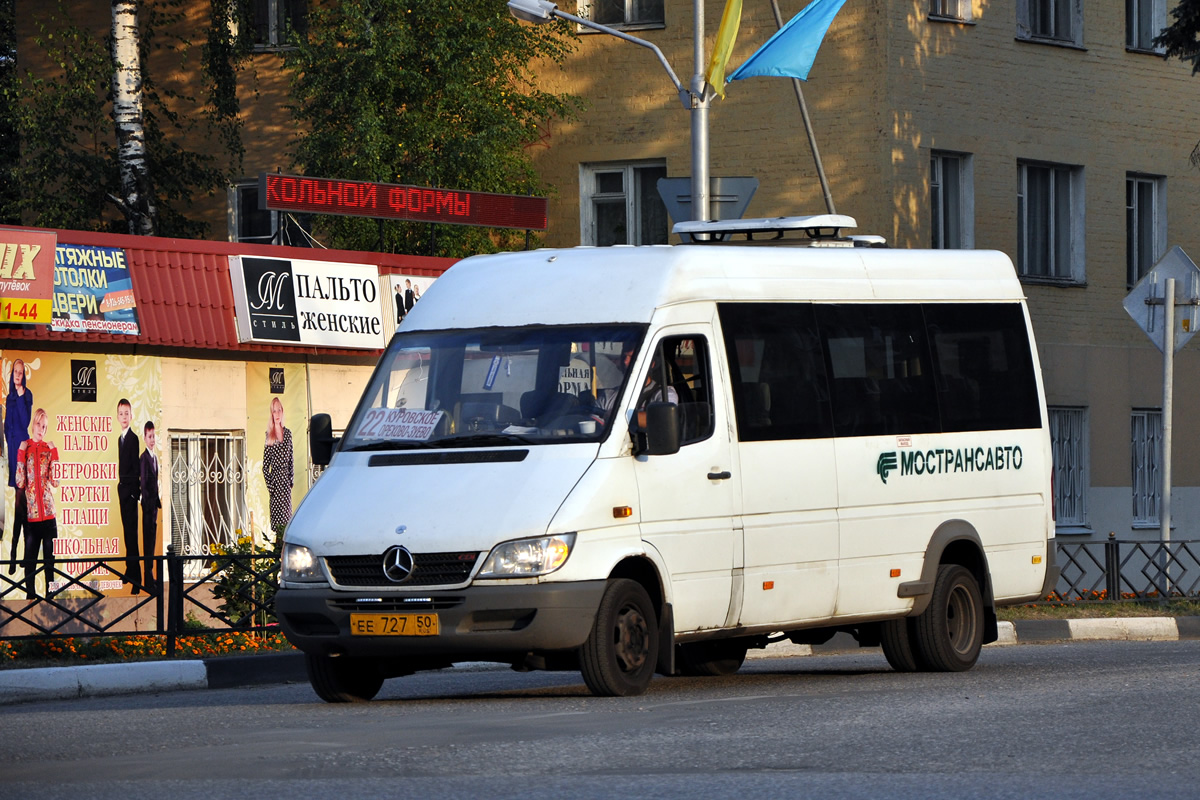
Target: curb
{"type": "Point", "coordinates": [1029, 631]}
{"type": "Point", "coordinates": [98, 680]}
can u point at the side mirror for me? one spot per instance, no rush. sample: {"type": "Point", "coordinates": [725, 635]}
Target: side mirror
{"type": "Point", "coordinates": [321, 443]}
{"type": "Point", "coordinates": [657, 430]}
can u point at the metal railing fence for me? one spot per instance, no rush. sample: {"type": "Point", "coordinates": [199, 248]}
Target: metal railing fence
{"type": "Point", "coordinates": [222, 592]}
{"type": "Point", "coordinates": [235, 592]}
{"type": "Point", "coordinates": [1117, 569]}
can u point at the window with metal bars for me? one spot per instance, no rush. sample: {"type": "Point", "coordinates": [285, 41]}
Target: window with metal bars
{"type": "Point", "coordinates": [208, 492]}
{"type": "Point", "coordinates": [1069, 445]}
{"type": "Point", "coordinates": [1145, 434]}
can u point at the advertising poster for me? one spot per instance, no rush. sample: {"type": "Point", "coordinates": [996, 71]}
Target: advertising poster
{"type": "Point", "coordinates": [26, 276]}
{"type": "Point", "coordinates": [276, 443]}
{"type": "Point", "coordinates": [317, 303]}
{"type": "Point", "coordinates": [405, 292]}
{"type": "Point", "coordinates": [98, 485]}
{"type": "Point", "coordinates": [93, 291]}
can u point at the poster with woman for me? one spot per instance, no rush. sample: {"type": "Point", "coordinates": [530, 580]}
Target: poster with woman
{"type": "Point", "coordinates": [276, 443]}
{"type": "Point", "coordinates": [96, 407]}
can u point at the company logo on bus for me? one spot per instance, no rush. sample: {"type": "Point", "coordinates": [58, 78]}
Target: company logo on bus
{"type": "Point", "coordinates": [942, 461]}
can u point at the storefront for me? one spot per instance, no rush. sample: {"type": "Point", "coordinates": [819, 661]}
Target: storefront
{"type": "Point", "coordinates": [192, 366]}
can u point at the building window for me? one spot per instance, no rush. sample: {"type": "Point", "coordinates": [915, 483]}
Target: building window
{"type": "Point", "coordinates": [208, 493]}
{"type": "Point", "coordinates": [249, 223]}
{"type": "Point", "coordinates": [1145, 224]}
{"type": "Point", "coordinates": [1144, 19]}
{"type": "Point", "coordinates": [1069, 445]}
{"type": "Point", "coordinates": [624, 13]}
{"type": "Point", "coordinates": [1050, 222]}
{"type": "Point", "coordinates": [1145, 435]}
{"type": "Point", "coordinates": [277, 21]}
{"type": "Point", "coordinates": [959, 10]}
{"type": "Point", "coordinates": [1051, 21]}
{"type": "Point", "coordinates": [951, 200]}
{"type": "Point", "coordinates": [620, 204]}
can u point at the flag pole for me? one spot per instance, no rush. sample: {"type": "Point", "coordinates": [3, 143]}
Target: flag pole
{"type": "Point", "coordinates": [699, 111]}
{"type": "Point", "coordinates": [812, 137]}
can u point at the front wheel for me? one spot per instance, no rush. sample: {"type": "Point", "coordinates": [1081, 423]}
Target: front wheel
{"type": "Point", "coordinates": [949, 633]}
{"type": "Point", "coordinates": [343, 679]}
{"type": "Point", "coordinates": [620, 654]}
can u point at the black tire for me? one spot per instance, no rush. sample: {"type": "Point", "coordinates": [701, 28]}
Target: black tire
{"type": "Point", "coordinates": [620, 655]}
{"type": "Point", "coordinates": [949, 633]}
{"type": "Point", "coordinates": [343, 679]}
{"type": "Point", "coordinates": [898, 639]}
{"type": "Point", "coordinates": [711, 659]}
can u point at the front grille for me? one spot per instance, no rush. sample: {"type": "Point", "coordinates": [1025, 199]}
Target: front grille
{"type": "Point", "coordinates": [396, 604]}
{"type": "Point", "coordinates": [429, 569]}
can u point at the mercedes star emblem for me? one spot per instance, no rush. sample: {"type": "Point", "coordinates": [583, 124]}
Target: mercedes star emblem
{"type": "Point", "coordinates": [397, 564]}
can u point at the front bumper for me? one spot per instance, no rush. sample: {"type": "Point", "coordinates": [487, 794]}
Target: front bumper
{"type": "Point", "coordinates": [485, 623]}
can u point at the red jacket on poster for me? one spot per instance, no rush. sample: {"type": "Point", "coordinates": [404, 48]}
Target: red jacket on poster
{"type": "Point", "coordinates": [35, 464]}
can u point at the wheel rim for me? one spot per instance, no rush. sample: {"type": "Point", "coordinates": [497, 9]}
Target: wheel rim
{"type": "Point", "coordinates": [631, 639]}
{"type": "Point", "coordinates": [960, 620]}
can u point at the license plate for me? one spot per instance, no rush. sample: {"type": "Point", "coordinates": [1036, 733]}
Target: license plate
{"type": "Point", "coordinates": [393, 624]}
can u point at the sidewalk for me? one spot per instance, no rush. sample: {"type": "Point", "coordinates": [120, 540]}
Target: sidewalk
{"type": "Point", "coordinates": [96, 680]}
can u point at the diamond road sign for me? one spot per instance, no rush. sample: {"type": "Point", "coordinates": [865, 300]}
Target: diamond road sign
{"type": "Point", "coordinates": [1145, 301]}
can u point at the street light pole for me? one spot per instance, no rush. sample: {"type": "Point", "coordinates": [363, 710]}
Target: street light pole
{"type": "Point", "coordinates": [699, 109]}
{"type": "Point", "coordinates": [694, 98]}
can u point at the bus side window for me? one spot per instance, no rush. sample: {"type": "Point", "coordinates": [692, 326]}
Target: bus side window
{"type": "Point", "coordinates": [681, 363]}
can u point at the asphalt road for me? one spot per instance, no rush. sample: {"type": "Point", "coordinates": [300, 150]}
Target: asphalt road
{"type": "Point", "coordinates": [1077, 720]}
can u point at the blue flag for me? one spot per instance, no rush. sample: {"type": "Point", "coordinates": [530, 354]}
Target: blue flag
{"type": "Point", "coordinates": [791, 51]}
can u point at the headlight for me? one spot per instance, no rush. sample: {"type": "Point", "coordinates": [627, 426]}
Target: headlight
{"type": "Point", "coordinates": [299, 564]}
{"type": "Point", "coordinates": [526, 558]}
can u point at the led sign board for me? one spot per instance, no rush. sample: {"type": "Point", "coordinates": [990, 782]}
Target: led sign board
{"type": "Point", "coordinates": [392, 201]}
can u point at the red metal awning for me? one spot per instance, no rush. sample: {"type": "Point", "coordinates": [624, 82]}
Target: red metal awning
{"type": "Point", "coordinates": [184, 296]}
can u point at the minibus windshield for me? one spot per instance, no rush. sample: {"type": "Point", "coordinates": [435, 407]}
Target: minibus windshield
{"type": "Point", "coordinates": [495, 386]}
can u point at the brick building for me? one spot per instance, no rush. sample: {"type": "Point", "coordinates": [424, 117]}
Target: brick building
{"type": "Point", "coordinates": [1047, 129]}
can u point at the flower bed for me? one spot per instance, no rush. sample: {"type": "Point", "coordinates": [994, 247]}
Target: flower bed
{"type": "Point", "coordinates": [77, 650]}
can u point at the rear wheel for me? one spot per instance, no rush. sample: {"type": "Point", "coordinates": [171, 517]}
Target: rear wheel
{"type": "Point", "coordinates": [620, 654]}
{"type": "Point", "coordinates": [897, 636]}
{"type": "Point", "coordinates": [343, 679]}
{"type": "Point", "coordinates": [949, 633]}
{"type": "Point", "coordinates": [711, 658]}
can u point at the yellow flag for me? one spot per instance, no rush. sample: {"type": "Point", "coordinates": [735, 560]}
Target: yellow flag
{"type": "Point", "coordinates": [731, 20]}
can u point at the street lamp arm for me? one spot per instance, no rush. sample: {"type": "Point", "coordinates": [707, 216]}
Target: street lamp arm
{"type": "Point", "coordinates": [540, 11]}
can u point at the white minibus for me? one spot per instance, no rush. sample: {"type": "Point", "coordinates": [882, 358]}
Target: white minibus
{"type": "Point", "coordinates": [629, 460]}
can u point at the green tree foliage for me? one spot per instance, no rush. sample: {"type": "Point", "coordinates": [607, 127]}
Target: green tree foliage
{"type": "Point", "coordinates": [10, 148]}
{"type": "Point", "coordinates": [1181, 39]}
{"type": "Point", "coordinates": [423, 92]}
{"type": "Point", "coordinates": [67, 174]}
{"type": "Point", "coordinates": [230, 39]}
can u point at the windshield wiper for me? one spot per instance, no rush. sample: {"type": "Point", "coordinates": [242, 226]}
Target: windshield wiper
{"type": "Point", "coordinates": [476, 439]}
{"type": "Point", "coordinates": [389, 444]}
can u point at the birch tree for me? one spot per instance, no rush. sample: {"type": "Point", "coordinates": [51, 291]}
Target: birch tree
{"type": "Point", "coordinates": [100, 142]}
{"type": "Point", "coordinates": [136, 199]}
